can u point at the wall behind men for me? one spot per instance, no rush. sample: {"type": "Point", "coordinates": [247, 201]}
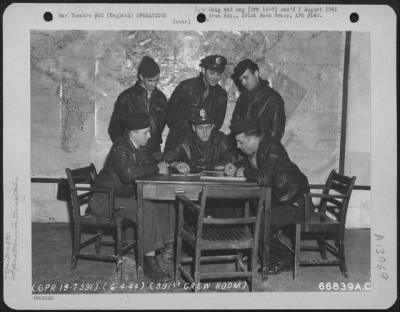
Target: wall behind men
{"type": "Point", "coordinates": [77, 75]}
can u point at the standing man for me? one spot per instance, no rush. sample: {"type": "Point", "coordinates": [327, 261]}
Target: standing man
{"type": "Point", "coordinates": [268, 163]}
{"type": "Point", "coordinates": [142, 98]}
{"type": "Point", "coordinates": [197, 93]}
{"type": "Point", "coordinates": [205, 149]}
{"type": "Point", "coordinates": [125, 163]}
{"type": "Point", "coordinates": [258, 100]}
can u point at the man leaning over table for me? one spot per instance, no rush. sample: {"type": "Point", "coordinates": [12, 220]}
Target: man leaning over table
{"type": "Point", "coordinates": [125, 163]}
{"type": "Point", "coordinates": [205, 148]}
{"type": "Point", "coordinates": [268, 163]}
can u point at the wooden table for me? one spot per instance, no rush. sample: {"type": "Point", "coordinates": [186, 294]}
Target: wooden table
{"type": "Point", "coordinates": [167, 187]}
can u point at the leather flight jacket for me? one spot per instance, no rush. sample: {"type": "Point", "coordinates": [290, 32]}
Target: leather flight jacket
{"type": "Point", "coordinates": [134, 101]}
{"type": "Point", "coordinates": [275, 168]}
{"type": "Point", "coordinates": [124, 164]}
{"type": "Point", "coordinates": [204, 155]}
{"type": "Point", "coordinates": [264, 104]}
{"type": "Point", "coordinates": [187, 98]}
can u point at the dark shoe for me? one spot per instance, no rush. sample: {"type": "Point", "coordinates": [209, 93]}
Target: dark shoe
{"type": "Point", "coordinates": [154, 272]}
{"type": "Point", "coordinates": [162, 265]}
{"type": "Point", "coordinates": [279, 267]}
{"type": "Point", "coordinates": [168, 254]}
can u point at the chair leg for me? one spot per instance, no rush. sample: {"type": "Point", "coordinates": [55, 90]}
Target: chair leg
{"type": "Point", "coordinates": [253, 269]}
{"type": "Point", "coordinates": [118, 244]}
{"type": "Point", "coordinates": [196, 268]}
{"type": "Point", "coordinates": [296, 251]}
{"type": "Point", "coordinates": [178, 257]}
{"type": "Point", "coordinates": [343, 267]}
{"type": "Point", "coordinates": [239, 260]}
{"type": "Point", "coordinates": [321, 244]}
{"type": "Point", "coordinates": [75, 247]}
{"type": "Point", "coordinates": [98, 241]}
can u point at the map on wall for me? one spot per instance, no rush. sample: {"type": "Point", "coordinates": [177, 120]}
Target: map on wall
{"type": "Point", "coordinates": [76, 77]}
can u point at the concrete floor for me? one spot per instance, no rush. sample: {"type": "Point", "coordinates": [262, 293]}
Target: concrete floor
{"type": "Point", "coordinates": [51, 255]}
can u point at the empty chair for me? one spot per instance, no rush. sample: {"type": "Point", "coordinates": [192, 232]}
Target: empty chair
{"type": "Point", "coordinates": [81, 184]}
{"type": "Point", "coordinates": [326, 224]}
{"type": "Point", "coordinates": [213, 240]}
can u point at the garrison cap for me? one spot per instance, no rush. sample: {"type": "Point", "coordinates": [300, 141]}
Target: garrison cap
{"type": "Point", "coordinates": [148, 67]}
{"type": "Point", "coordinates": [214, 62]}
{"type": "Point", "coordinates": [136, 122]}
{"type": "Point", "coordinates": [244, 126]}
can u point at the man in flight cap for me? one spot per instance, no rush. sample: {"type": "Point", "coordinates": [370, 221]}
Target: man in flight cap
{"type": "Point", "coordinates": [125, 163]}
{"type": "Point", "coordinates": [142, 98]}
{"type": "Point", "coordinates": [205, 149]}
{"type": "Point", "coordinates": [196, 93]}
{"type": "Point", "coordinates": [268, 163]}
{"type": "Point", "coordinates": [258, 100]}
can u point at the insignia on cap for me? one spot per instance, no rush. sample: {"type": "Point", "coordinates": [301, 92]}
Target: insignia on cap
{"type": "Point", "coordinates": [218, 60]}
{"type": "Point", "coordinates": [202, 113]}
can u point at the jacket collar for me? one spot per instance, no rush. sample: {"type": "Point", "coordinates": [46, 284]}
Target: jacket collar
{"type": "Point", "coordinates": [127, 138]}
{"type": "Point", "coordinates": [203, 84]}
{"type": "Point", "coordinates": [260, 86]}
{"type": "Point", "coordinates": [263, 146]}
{"type": "Point", "coordinates": [143, 90]}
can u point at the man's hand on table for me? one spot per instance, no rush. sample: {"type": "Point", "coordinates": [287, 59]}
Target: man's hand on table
{"type": "Point", "coordinates": [230, 169]}
{"type": "Point", "coordinates": [182, 167]}
{"type": "Point", "coordinates": [163, 168]}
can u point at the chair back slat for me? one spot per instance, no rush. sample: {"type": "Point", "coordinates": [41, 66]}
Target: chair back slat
{"type": "Point", "coordinates": [341, 178]}
{"type": "Point", "coordinates": [339, 187]}
{"type": "Point", "coordinates": [84, 175]}
{"type": "Point", "coordinates": [336, 203]}
{"type": "Point", "coordinates": [84, 198]}
{"type": "Point", "coordinates": [82, 179]}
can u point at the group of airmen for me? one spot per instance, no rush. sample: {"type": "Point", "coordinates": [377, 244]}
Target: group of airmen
{"type": "Point", "coordinates": [194, 114]}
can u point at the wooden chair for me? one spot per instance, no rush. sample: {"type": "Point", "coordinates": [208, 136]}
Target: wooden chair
{"type": "Point", "coordinates": [327, 222]}
{"type": "Point", "coordinates": [80, 196]}
{"type": "Point", "coordinates": [225, 239]}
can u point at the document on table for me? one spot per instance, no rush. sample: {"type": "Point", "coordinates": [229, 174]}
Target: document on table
{"type": "Point", "coordinates": [220, 176]}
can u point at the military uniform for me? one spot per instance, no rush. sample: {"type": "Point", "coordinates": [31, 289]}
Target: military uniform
{"type": "Point", "coordinates": [135, 101]}
{"type": "Point", "coordinates": [124, 164]}
{"type": "Point", "coordinates": [271, 165]}
{"type": "Point", "coordinates": [190, 96]}
{"type": "Point", "coordinates": [199, 154]}
{"type": "Point", "coordinates": [261, 103]}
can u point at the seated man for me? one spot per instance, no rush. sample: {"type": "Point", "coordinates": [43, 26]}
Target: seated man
{"type": "Point", "coordinates": [205, 149]}
{"type": "Point", "coordinates": [268, 163]}
{"type": "Point", "coordinates": [125, 163]}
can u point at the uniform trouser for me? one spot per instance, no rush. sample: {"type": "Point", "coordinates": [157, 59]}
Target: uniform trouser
{"type": "Point", "coordinates": [283, 215]}
{"type": "Point", "coordinates": [158, 219]}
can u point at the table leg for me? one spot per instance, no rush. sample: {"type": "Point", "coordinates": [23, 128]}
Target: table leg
{"type": "Point", "coordinates": [267, 229]}
{"type": "Point", "coordinates": [140, 234]}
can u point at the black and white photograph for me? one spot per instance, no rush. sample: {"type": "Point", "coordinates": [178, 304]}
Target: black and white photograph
{"type": "Point", "coordinates": [200, 158]}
